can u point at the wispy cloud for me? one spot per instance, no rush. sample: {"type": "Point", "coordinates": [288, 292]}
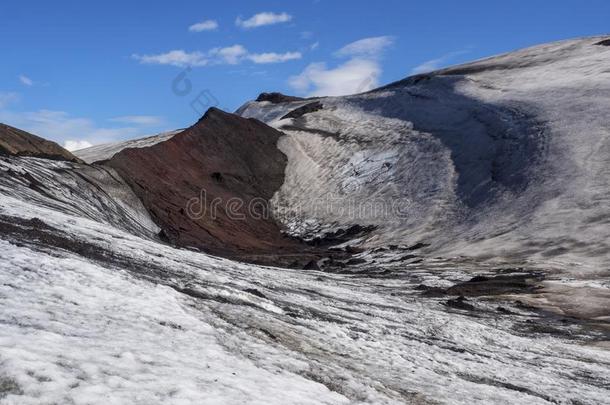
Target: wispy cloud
{"type": "Point", "coordinates": [261, 19]}
{"type": "Point", "coordinates": [353, 76]}
{"type": "Point", "coordinates": [272, 57]}
{"type": "Point", "coordinates": [360, 73]}
{"type": "Point", "coordinates": [7, 98]}
{"type": "Point", "coordinates": [145, 120]}
{"type": "Point", "coordinates": [25, 80]}
{"type": "Point", "coordinates": [177, 57]}
{"type": "Point", "coordinates": [437, 63]}
{"type": "Point", "coordinates": [367, 47]}
{"type": "Point", "coordinates": [207, 25]}
{"type": "Point", "coordinates": [230, 55]}
{"type": "Point", "coordinates": [73, 132]}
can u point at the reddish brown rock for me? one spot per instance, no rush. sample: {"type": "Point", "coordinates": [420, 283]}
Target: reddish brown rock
{"type": "Point", "coordinates": [16, 142]}
{"type": "Point", "coordinates": [192, 182]}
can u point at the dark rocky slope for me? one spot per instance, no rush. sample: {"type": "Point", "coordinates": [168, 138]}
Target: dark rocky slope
{"type": "Point", "coordinates": [16, 142]}
{"type": "Point", "coordinates": [208, 187]}
{"type": "Point", "coordinates": [276, 98]}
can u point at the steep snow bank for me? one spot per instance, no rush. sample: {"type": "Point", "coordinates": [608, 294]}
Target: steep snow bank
{"type": "Point", "coordinates": [93, 192]}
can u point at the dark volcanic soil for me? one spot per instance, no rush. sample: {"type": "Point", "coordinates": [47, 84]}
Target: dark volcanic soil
{"type": "Point", "coordinates": [208, 188]}
{"type": "Point", "coordinates": [16, 142]}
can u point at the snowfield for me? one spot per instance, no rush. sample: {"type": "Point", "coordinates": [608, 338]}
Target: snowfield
{"type": "Point", "coordinates": [79, 333]}
{"type": "Point", "coordinates": [174, 326]}
{"type": "Point", "coordinates": [500, 167]}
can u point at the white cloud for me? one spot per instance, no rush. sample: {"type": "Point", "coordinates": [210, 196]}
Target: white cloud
{"type": "Point", "coordinates": [367, 47]}
{"type": "Point", "coordinates": [354, 76]}
{"type": "Point", "coordinates": [230, 55]}
{"type": "Point", "coordinates": [61, 127]}
{"type": "Point", "coordinates": [146, 120]}
{"type": "Point", "coordinates": [207, 25]}
{"type": "Point", "coordinates": [26, 80]}
{"type": "Point", "coordinates": [427, 66]}
{"type": "Point", "coordinates": [314, 46]}
{"type": "Point", "coordinates": [272, 57]}
{"type": "Point", "coordinates": [175, 58]}
{"type": "Point", "coordinates": [73, 145]}
{"type": "Point", "coordinates": [437, 63]}
{"type": "Point", "coordinates": [7, 98]}
{"type": "Point", "coordinates": [260, 19]}
{"type": "Point", "coordinates": [74, 132]}
{"type": "Point", "coordinates": [360, 73]}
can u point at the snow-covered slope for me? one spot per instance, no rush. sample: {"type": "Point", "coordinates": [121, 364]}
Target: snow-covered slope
{"type": "Point", "coordinates": [505, 158]}
{"type": "Point", "coordinates": [93, 192]}
{"type": "Point", "coordinates": [106, 151]}
{"type": "Point", "coordinates": [92, 314]}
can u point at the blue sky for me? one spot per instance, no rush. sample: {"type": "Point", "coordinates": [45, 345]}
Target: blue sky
{"type": "Point", "coordinates": [94, 72]}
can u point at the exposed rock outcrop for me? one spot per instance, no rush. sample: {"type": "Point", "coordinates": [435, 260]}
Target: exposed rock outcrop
{"type": "Point", "coordinates": [277, 98]}
{"type": "Point", "coordinates": [605, 42]}
{"type": "Point", "coordinates": [306, 109]}
{"type": "Point", "coordinates": [208, 187]}
{"type": "Point", "coordinates": [17, 142]}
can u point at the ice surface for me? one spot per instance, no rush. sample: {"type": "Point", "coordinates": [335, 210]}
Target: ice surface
{"type": "Point", "coordinates": [505, 158]}
{"type": "Point", "coordinates": [94, 192]}
{"type": "Point", "coordinates": [174, 326]}
{"type": "Point", "coordinates": [106, 151]}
